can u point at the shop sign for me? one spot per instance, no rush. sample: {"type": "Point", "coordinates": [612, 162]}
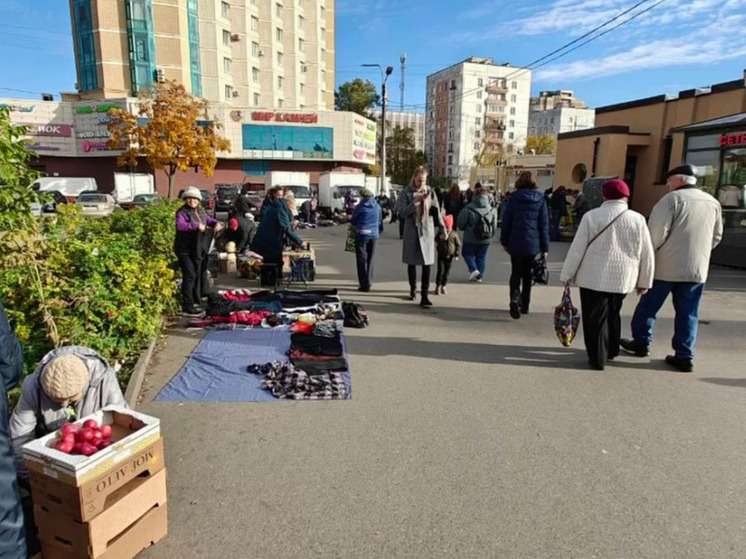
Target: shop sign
{"type": "Point", "coordinates": [102, 108]}
{"type": "Point", "coordinates": [236, 116]}
{"type": "Point", "coordinates": [38, 147]}
{"type": "Point", "coordinates": [18, 108]}
{"type": "Point", "coordinates": [53, 130]}
{"type": "Point", "coordinates": [95, 134]}
{"type": "Point", "coordinates": [94, 146]}
{"type": "Point", "coordinates": [309, 118]}
{"type": "Point", "coordinates": [738, 139]}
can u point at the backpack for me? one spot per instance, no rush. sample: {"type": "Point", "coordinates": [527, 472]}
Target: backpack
{"type": "Point", "coordinates": [482, 229]}
{"type": "Point", "coordinates": [355, 315]}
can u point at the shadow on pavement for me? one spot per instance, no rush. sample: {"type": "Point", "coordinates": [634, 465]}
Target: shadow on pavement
{"type": "Point", "coordinates": [737, 382]}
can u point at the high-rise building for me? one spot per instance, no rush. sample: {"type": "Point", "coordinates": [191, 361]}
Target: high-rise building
{"type": "Point", "coordinates": [557, 112]}
{"type": "Point", "coordinates": [403, 119]}
{"type": "Point", "coordinates": [548, 100]}
{"type": "Point", "coordinates": [477, 114]}
{"type": "Point", "coordinates": [245, 53]}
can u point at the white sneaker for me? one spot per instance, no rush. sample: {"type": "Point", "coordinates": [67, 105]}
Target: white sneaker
{"type": "Point", "coordinates": [474, 276]}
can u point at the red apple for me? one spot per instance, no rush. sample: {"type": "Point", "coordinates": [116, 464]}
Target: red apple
{"type": "Point", "coordinates": [87, 449]}
{"type": "Point", "coordinates": [104, 443]}
{"type": "Point", "coordinates": [97, 438]}
{"type": "Point", "coordinates": [66, 447]}
{"type": "Point", "coordinates": [84, 435]}
{"type": "Point", "coordinates": [69, 429]}
{"type": "Point", "coordinates": [70, 437]}
{"type": "Point", "coordinates": [105, 431]}
{"type": "Point", "coordinates": [77, 448]}
{"type": "Point", "coordinates": [91, 424]}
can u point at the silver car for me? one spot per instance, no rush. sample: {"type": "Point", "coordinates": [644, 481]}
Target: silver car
{"type": "Point", "coordinates": [96, 205]}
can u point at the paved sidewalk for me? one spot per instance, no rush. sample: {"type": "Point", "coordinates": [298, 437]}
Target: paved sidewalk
{"type": "Point", "coordinates": [469, 434]}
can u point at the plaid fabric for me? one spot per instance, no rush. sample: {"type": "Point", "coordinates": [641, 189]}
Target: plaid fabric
{"type": "Point", "coordinates": [286, 381]}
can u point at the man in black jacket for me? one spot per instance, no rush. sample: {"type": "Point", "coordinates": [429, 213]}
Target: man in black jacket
{"type": "Point", "coordinates": [12, 539]}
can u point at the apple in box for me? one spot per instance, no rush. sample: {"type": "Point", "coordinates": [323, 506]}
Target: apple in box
{"type": "Point", "coordinates": [71, 439]}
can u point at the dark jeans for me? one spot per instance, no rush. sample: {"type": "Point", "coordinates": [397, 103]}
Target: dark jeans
{"type": "Point", "coordinates": [554, 234]}
{"type": "Point", "coordinates": [520, 274]}
{"type": "Point", "coordinates": [412, 274]}
{"type": "Point", "coordinates": [602, 324]}
{"type": "Point", "coordinates": [444, 268]}
{"type": "Point", "coordinates": [364, 252]}
{"type": "Point", "coordinates": [686, 298]}
{"type": "Point", "coordinates": [191, 269]}
{"type": "Point", "coordinates": [475, 256]}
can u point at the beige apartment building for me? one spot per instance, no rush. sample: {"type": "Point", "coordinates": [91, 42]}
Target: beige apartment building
{"type": "Point", "coordinates": [270, 54]}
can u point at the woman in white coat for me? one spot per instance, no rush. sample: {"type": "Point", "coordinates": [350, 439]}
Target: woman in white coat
{"type": "Point", "coordinates": [611, 256]}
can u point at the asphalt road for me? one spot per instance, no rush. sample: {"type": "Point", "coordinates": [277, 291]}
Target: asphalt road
{"type": "Point", "coordinates": [469, 434]}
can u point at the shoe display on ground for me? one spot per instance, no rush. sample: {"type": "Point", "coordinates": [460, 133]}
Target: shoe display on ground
{"type": "Point", "coordinates": [631, 346]}
{"type": "Point", "coordinates": [683, 364]}
{"type": "Point", "coordinates": [514, 312]}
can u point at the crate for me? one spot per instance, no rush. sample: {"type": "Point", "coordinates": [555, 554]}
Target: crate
{"type": "Point", "coordinates": [92, 539]}
{"type": "Point", "coordinates": [131, 432]}
{"type": "Point", "coordinates": [94, 496]}
{"type": "Point", "coordinates": [149, 529]}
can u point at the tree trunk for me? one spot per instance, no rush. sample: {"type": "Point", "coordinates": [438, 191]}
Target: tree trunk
{"type": "Point", "coordinates": [170, 182]}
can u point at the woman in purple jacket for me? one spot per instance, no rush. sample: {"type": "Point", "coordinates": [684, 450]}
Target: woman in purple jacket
{"type": "Point", "coordinates": [191, 223]}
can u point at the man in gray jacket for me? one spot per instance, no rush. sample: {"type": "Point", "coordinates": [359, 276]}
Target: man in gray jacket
{"type": "Point", "coordinates": [685, 225]}
{"type": "Point", "coordinates": [69, 383]}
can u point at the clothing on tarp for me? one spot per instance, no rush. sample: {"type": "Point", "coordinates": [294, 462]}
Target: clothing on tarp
{"type": "Point", "coordinates": [315, 366]}
{"type": "Point", "coordinates": [317, 345]}
{"type": "Point", "coordinates": [284, 380]}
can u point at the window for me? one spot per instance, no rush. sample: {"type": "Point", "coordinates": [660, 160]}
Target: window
{"type": "Point", "coordinates": [301, 21]}
{"type": "Point", "coordinates": [226, 37]}
{"type": "Point", "coordinates": [323, 55]}
{"type": "Point", "coordinates": [302, 89]}
{"type": "Point", "coordinates": [477, 134]}
{"type": "Point", "coordinates": [226, 9]}
{"type": "Point", "coordinates": [450, 160]}
{"type": "Point", "coordinates": [322, 34]}
{"type": "Point", "coordinates": [480, 82]}
{"type": "Point", "coordinates": [279, 59]}
{"type": "Point", "coordinates": [514, 85]}
{"type": "Point", "coordinates": [510, 135]}
{"type": "Point", "coordinates": [278, 10]}
{"type": "Point", "coordinates": [477, 146]}
{"type": "Point", "coordinates": [228, 93]}
{"type": "Point", "coordinates": [255, 74]}
{"type": "Point", "coordinates": [450, 109]}
{"type": "Point", "coordinates": [479, 108]}
{"type": "Point", "coordinates": [512, 124]}
{"type": "Point", "coordinates": [254, 49]}
{"type": "Point", "coordinates": [256, 99]}
{"type": "Point", "coordinates": [512, 110]}
{"type": "Point", "coordinates": [479, 94]}
{"type": "Point", "coordinates": [301, 45]}
{"type": "Point", "coordinates": [278, 34]}
{"type": "Point", "coordinates": [280, 82]}
{"type": "Point", "coordinates": [478, 121]}
{"type": "Point", "coordinates": [322, 12]}
{"type": "Point", "coordinates": [513, 98]}
{"type": "Point", "coordinates": [254, 23]}
{"type": "Point", "coordinates": [227, 65]}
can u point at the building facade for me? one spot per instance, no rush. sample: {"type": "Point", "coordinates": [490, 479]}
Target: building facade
{"type": "Point", "coordinates": [273, 54]}
{"type": "Point", "coordinates": [477, 114]}
{"type": "Point", "coordinates": [403, 119]}
{"type": "Point", "coordinates": [548, 100]}
{"type": "Point", "coordinates": [560, 120]}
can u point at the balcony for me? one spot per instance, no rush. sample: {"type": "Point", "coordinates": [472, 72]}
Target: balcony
{"type": "Point", "coordinates": [495, 88]}
{"type": "Point", "coordinates": [496, 101]}
{"type": "Point", "coordinates": [494, 125]}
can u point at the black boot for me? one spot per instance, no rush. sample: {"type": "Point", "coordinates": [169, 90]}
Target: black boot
{"type": "Point", "coordinates": [412, 293]}
{"type": "Point", "coordinates": [425, 301]}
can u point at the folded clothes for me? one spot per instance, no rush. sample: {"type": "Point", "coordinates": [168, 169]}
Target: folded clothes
{"type": "Point", "coordinates": [326, 329]}
{"type": "Point", "coordinates": [242, 317]}
{"type": "Point", "coordinates": [302, 327]}
{"type": "Point", "coordinates": [222, 307]}
{"type": "Point", "coordinates": [235, 294]}
{"type": "Point", "coordinates": [285, 380]}
{"type": "Point", "coordinates": [298, 355]}
{"type": "Point", "coordinates": [316, 367]}
{"type": "Point", "coordinates": [316, 345]}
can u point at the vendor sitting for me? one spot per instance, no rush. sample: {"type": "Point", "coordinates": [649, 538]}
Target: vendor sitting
{"type": "Point", "coordinates": [241, 231]}
{"type": "Point", "coordinates": [69, 383]}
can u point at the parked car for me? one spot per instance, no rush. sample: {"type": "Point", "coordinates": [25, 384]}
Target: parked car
{"type": "Point", "coordinates": [141, 201]}
{"type": "Point", "coordinates": [256, 204]}
{"type": "Point", "coordinates": [225, 195]}
{"type": "Point", "coordinates": [208, 199]}
{"type": "Point", "coordinates": [96, 205]}
{"type": "Point", "coordinates": [49, 207]}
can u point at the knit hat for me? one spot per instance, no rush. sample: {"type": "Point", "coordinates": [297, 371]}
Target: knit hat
{"type": "Point", "coordinates": [448, 220]}
{"type": "Point", "coordinates": [233, 224]}
{"type": "Point", "coordinates": [365, 193]}
{"type": "Point", "coordinates": [615, 189]}
{"type": "Point", "coordinates": [192, 192]}
{"type": "Point", "coordinates": [64, 377]}
{"type": "Point", "coordinates": [686, 170]}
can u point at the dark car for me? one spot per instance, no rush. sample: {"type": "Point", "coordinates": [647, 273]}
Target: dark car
{"type": "Point", "coordinates": [142, 201]}
{"type": "Point", "coordinates": [225, 196]}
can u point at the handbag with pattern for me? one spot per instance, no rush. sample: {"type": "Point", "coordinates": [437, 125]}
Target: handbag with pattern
{"type": "Point", "coordinates": [566, 319]}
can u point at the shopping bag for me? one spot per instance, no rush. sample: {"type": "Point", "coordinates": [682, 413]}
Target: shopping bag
{"type": "Point", "coordinates": [539, 272]}
{"type": "Point", "coordinates": [350, 241]}
{"type": "Point", "coordinates": [566, 319]}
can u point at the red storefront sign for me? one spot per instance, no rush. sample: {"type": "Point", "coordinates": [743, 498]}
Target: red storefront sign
{"type": "Point", "coordinates": [310, 118]}
{"type": "Point", "coordinates": [738, 139]}
{"type": "Point", "coordinates": [52, 130]}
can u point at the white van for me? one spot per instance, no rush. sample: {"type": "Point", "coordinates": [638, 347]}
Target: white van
{"type": "Point", "coordinates": [70, 187]}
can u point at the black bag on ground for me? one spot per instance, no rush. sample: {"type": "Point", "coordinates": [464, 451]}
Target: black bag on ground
{"type": "Point", "coordinates": [355, 315]}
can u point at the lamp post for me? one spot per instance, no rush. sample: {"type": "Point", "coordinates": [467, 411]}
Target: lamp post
{"type": "Point", "coordinates": [384, 76]}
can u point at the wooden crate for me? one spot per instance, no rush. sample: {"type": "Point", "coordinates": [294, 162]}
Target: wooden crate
{"type": "Point", "coordinates": [95, 495]}
{"type": "Point", "coordinates": [92, 539]}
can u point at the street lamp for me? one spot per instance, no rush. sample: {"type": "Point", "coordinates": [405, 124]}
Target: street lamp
{"type": "Point", "coordinates": [384, 76]}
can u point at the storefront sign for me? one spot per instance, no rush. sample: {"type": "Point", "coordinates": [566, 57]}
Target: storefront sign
{"type": "Point", "coordinates": [94, 146]}
{"type": "Point", "coordinates": [53, 130]}
{"type": "Point", "coordinates": [95, 134]}
{"type": "Point", "coordinates": [38, 147]}
{"type": "Point", "coordinates": [738, 139]}
{"type": "Point", "coordinates": [18, 108]}
{"type": "Point", "coordinates": [310, 118]}
{"type": "Point", "coordinates": [237, 116]}
{"type": "Point", "coordinates": [102, 108]}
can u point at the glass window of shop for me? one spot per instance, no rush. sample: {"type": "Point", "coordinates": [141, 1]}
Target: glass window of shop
{"type": "Point", "coordinates": [733, 179]}
{"type": "Point", "coordinates": [704, 153]}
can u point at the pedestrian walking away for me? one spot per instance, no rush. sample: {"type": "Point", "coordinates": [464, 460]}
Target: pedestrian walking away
{"type": "Point", "coordinates": [478, 221]}
{"type": "Point", "coordinates": [448, 249]}
{"type": "Point", "coordinates": [418, 209]}
{"type": "Point", "coordinates": [367, 219]}
{"type": "Point", "coordinates": [685, 225]}
{"type": "Point", "coordinates": [558, 205]}
{"type": "Point", "coordinates": [610, 256]}
{"type": "Point", "coordinates": [524, 235]}
{"type": "Point", "coordinates": [454, 201]}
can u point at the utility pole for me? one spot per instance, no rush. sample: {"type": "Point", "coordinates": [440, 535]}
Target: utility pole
{"type": "Point", "coordinates": [403, 60]}
{"type": "Point", "coordinates": [384, 76]}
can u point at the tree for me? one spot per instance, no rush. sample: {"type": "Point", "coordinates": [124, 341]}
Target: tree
{"type": "Point", "coordinates": [542, 145]}
{"type": "Point", "coordinates": [401, 156]}
{"type": "Point", "coordinates": [172, 132]}
{"type": "Point", "coordinates": [358, 96]}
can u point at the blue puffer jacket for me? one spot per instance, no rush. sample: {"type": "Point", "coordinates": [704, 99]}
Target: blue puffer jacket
{"type": "Point", "coordinates": [525, 223]}
{"type": "Point", "coordinates": [367, 220]}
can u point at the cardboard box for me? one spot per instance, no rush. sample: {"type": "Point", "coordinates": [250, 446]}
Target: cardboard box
{"type": "Point", "coordinates": [92, 539]}
{"type": "Point", "coordinates": [150, 529]}
{"type": "Point", "coordinates": [93, 497]}
{"type": "Point", "coordinates": [228, 266]}
{"type": "Point", "coordinates": [131, 432]}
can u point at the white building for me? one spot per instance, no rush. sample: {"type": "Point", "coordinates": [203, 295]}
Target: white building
{"type": "Point", "coordinates": [477, 112]}
{"type": "Point", "coordinates": [560, 120]}
{"type": "Point", "coordinates": [415, 121]}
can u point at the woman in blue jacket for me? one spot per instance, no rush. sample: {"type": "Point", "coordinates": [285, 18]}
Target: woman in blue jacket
{"type": "Point", "coordinates": [524, 234]}
{"type": "Point", "coordinates": [367, 219]}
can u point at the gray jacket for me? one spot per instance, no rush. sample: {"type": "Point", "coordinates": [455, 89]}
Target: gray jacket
{"type": "Point", "coordinates": [418, 246]}
{"type": "Point", "coordinates": [467, 219]}
{"type": "Point", "coordinates": [37, 415]}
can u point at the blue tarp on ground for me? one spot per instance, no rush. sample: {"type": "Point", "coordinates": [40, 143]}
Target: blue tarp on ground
{"type": "Point", "coordinates": [216, 369]}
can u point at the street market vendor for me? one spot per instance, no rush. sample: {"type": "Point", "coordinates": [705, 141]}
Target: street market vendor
{"type": "Point", "coordinates": [69, 383]}
{"type": "Point", "coordinates": [241, 229]}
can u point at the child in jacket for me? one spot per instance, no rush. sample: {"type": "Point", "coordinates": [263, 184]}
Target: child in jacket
{"type": "Point", "coordinates": [448, 247]}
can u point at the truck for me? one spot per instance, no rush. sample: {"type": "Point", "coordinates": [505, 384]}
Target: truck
{"type": "Point", "coordinates": [333, 186]}
{"type": "Point", "coordinates": [299, 183]}
{"type": "Point", "coordinates": [129, 185]}
{"type": "Point", "coordinates": [69, 187]}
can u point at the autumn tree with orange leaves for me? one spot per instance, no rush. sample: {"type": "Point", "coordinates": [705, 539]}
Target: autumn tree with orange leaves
{"type": "Point", "coordinates": [172, 132]}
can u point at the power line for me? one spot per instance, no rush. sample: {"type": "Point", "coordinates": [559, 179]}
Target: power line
{"type": "Point", "coordinates": [24, 91]}
{"type": "Point", "coordinates": [34, 29]}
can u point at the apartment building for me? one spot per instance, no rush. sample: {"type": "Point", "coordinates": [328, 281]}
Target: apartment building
{"type": "Point", "coordinates": [403, 119]}
{"type": "Point", "coordinates": [271, 54]}
{"type": "Point", "coordinates": [548, 100]}
{"type": "Point", "coordinates": [477, 114]}
{"type": "Point", "coordinates": [557, 112]}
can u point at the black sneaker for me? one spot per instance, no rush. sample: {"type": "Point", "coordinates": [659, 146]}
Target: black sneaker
{"type": "Point", "coordinates": [412, 294]}
{"type": "Point", "coordinates": [425, 302]}
{"type": "Point", "coordinates": [514, 312]}
{"type": "Point", "coordinates": [631, 346]}
{"type": "Point", "coordinates": [524, 310]}
{"type": "Point", "coordinates": [683, 364]}
{"type": "Point", "coordinates": [193, 311]}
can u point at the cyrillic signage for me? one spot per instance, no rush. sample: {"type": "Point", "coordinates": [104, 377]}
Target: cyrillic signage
{"type": "Point", "coordinates": [308, 118]}
{"type": "Point", "coordinates": [738, 139]}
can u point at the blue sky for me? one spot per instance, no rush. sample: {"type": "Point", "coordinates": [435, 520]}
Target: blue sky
{"type": "Point", "coordinates": [677, 45]}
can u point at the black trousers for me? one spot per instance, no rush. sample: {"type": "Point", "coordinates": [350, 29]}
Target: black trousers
{"type": "Point", "coordinates": [520, 281]}
{"type": "Point", "coordinates": [401, 228]}
{"type": "Point", "coordinates": [364, 252]}
{"type": "Point", "coordinates": [412, 274]}
{"type": "Point", "coordinates": [271, 273]}
{"type": "Point", "coordinates": [602, 324]}
{"type": "Point", "coordinates": [191, 270]}
{"type": "Point", "coordinates": [444, 268]}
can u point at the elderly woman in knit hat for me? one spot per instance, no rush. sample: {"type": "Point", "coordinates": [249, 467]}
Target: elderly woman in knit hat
{"type": "Point", "coordinates": [610, 256]}
{"type": "Point", "coordinates": [69, 383]}
{"type": "Point", "coordinates": [367, 219]}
